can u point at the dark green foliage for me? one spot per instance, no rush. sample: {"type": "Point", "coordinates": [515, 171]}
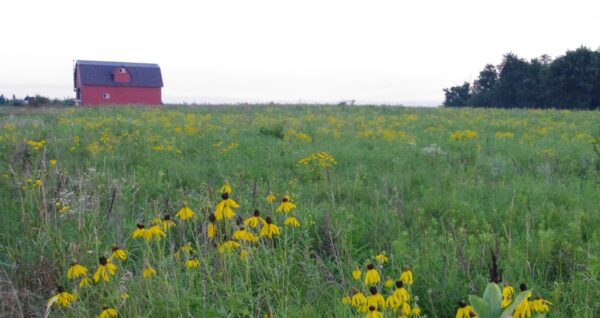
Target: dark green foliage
{"type": "Point", "coordinates": [571, 81]}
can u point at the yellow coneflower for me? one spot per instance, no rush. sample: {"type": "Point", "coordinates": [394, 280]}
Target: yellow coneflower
{"type": "Point", "coordinates": [105, 270]}
{"type": "Point", "coordinates": [192, 263]}
{"type": "Point", "coordinates": [401, 293]}
{"type": "Point", "coordinates": [185, 213]}
{"type": "Point", "coordinates": [225, 207]}
{"type": "Point", "coordinates": [464, 310]}
{"type": "Point", "coordinates": [226, 188]}
{"type": "Point", "coordinates": [406, 309]}
{"type": "Point", "coordinates": [119, 253]}
{"type": "Point", "coordinates": [269, 229]}
{"type": "Point", "coordinates": [292, 221]}
{"type": "Point", "coordinates": [356, 273]}
{"type": "Point", "coordinates": [254, 220]}
{"type": "Point", "coordinates": [154, 231]}
{"type": "Point", "coordinates": [84, 282]}
{"type": "Point", "coordinates": [108, 312]}
{"type": "Point", "coordinates": [148, 271]}
{"type": "Point", "coordinates": [375, 299]}
{"type": "Point", "coordinates": [286, 205]}
{"type": "Point", "coordinates": [381, 258]}
{"type": "Point", "coordinates": [242, 234]}
{"type": "Point", "coordinates": [270, 197]}
{"type": "Point", "coordinates": [346, 300]}
{"type": "Point", "coordinates": [374, 313]}
{"type": "Point", "coordinates": [359, 301]}
{"type": "Point", "coordinates": [540, 305]}
{"type": "Point", "coordinates": [62, 297]}
{"type": "Point", "coordinates": [524, 308]}
{"type": "Point", "coordinates": [507, 294]}
{"type": "Point", "coordinates": [166, 222]}
{"type": "Point", "coordinates": [371, 276]}
{"type": "Point", "coordinates": [76, 270]}
{"type": "Point", "coordinates": [227, 246]}
{"type": "Point", "coordinates": [140, 231]}
{"type": "Point", "coordinates": [211, 230]}
{"type": "Point", "coordinates": [407, 276]}
{"type": "Point", "coordinates": [52, 162]}
{"type": "Point", "coordinates": [415, 311]}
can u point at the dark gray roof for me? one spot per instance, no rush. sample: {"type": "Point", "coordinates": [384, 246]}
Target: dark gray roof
{"type": "Point", "coordinates": [100, 73]}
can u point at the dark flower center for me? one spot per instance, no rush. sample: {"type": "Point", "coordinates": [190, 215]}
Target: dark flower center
{"type": "Point", "coordinates": [60, 289]}
{"type": "Point", "coordinates": [103, 260]}
{"type": "Point", "coordinates": [140, 226]}
{"type": "Point", "coordinates": [268, 220]}
{"type": "Point", "coordinates": [115, 248]}
{"type": "Point", "coordinates": [370, 266]}
{"type": "Point", "coordinates": [371, 308]}
{"type": "Point", "coordinates": [523, 287]}
{"type": "Point", "coordinates": [285, 199]}
{"type": "Point", "coordinates": [256, 213]}
{"type": "Point", "coordinates": [212, 218]}
{"type": "Point", "coordinates": [373, 290]}
{"type": "Point", "coordinates": [462, 303]}
{"type": "Point", "coordinates": [224, 195]}
{"type": "Point", "coordinates": [167, 217]}
{"type": "Point", "coordinates": [399, 284]}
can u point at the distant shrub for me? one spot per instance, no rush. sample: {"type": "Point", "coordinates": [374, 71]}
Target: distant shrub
{"type": "Point", "coordinates": [275, 131]}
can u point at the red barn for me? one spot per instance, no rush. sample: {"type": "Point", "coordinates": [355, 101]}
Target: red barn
{"type": "Point", "coordinates": [98, 83]}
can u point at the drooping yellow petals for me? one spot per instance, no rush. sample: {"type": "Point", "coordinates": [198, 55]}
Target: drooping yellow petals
{"type": "Point", "coordinates": [185, 213]}
{"type": "Point", "coordinates": [192, 263]}
{"type": "Point", "coordinates": [76, 270]}
{"type": "Point", "coordinates": [285, 206]}
{"type": "Point", "coordinates": [62, 298]}
{"type": "Point", "coordinates": [371, 276]}
{"type": "Point", "coordinates": [356, 273]}
{"type": "Point", "coordinates": [108, 312]}
{"type": "Point", "coordinates": [292, 221]}
{"type": "Point", "coordinates": [407, 276]}
{"type": "Point", "coordinates": [228, 246]}
{"type": "Point", "coordinates": [148, 272]}
{"type": "Point", "coordinates": [119, 253]}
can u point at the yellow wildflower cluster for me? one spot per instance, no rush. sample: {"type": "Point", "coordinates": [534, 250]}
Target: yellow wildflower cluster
{"type": "Point", "coordinates": [505, 134]}
{"type": "Point", "coordinates": [36, 144]}
{"type": "Point", "coordinates": [292, 135]}
{"type": "Point", "coordinates": [373, 302]}
{"type": "Point", "coordinates": [463, 134]}
{"type": "Point", "coordinates": [322, 159]}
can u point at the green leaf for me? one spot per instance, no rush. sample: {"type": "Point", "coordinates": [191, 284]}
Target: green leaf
{"type": "Point", "coordinates": [480, 306]}
{"type": "Point", "coordinates": [493, 296]}
{"type": "Point", "coordinates": [508, 310]}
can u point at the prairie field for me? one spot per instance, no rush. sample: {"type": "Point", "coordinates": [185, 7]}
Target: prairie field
{"type": "Point", "coordinates": [127, 194]}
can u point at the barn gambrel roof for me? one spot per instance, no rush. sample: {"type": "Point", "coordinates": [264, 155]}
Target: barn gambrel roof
{"type": "Point", "coordinates": [101, 73]}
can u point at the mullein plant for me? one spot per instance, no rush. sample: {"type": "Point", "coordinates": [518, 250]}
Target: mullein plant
{"type": "Point", "coordinates": [368, 297]}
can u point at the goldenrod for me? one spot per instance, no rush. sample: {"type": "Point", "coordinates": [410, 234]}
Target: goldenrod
{"type": "Point", "coordinates": [185, 213]}
{"type": "Point", "coordinates": [105, 270]}
{"type": "Point", "coordinates": [255, 220]}
{"type": "Point", "coordinates": [286, 205]}
{"type": "Point", "coordinates": [119, 253]}
{"type": "Point", "coordinates": [62, 297]}
{"type": "Point", "coordinates": [292, 221]}
{"type": "Point", "coordinates": [371, 276]}
{"type": "Point", "coordinates": [108, 312]}
{"type": "Point", "coordinates": [192, 263]}
{"type": "Point", "coordinates": [269, 229]}
{"type": "Point", "coordinates": [375, 299]}
{"type": "Point", "coordinates": [407, 276]}
{"type": "Point", "coordinates": [76, 270]}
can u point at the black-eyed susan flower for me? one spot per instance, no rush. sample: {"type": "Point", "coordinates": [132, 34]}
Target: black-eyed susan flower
{"type": "Point", "coordinates": [540, 305]}
{"type": "Point", "coordinates": [373, 313]}
{"type": "Point", "coordinates": [269, 229]}
{"type": "Point", "coordinates": [149, 271]}
{"type": "Point", "coordinates": [464, 310]}
{"type": "Point", "coordinates": [119, 253]}
{"type": "Point", "coordinates": [292, 221]}
{"type": "Point", "coordinates": [375, 298]}
{"type": "Point", "coordinates": [154, 232]}
{"type": "Point", "coordinates": [285, 205]}
{"type": "Point", "coordinates": [524, 309]}
{"type": "Point", "coordinates": [226, 188]}
{"type": "Point", "coordinates": [371, 276]}
{"type": "Point", "coordinates": [381, 258]}
{"type": "Point", "coordinates": [407, 276]}
{"type": "Point", "coordinates": [346, 300]}
{"type": "Point", "coordinates": [242, 234]}
{"type": "Point", "coordinates": [270, 197]}
{"type": "Point", "coordinates": [192, 263]}
{"type": "Point", "coordinates": [62, 298]}
{"type": "Point", "coordinates": [212, 226]}
{"type": "Point", "coordinates": [76, 270]}
{"type": "Point", "coordinates": [356, 273]}
{"type": "Point", "coordinates": [359, 301]}
{"type": "Point", "coordinates": [107, 312]}
{"type": "Point", "coordinates": [105, 270]}
{"type": "Point", "coordinates": [185, 213]}
{"type": "Point", "coordinates": [139, 231]}
{"type": "Point", "coordinates": [255, 220]}
{"type": "Point", "coordinates": [224, 209]}
{"type": "Point", "coordinates": [166, 222]}
{"type": "Point", "coordinates": [399, 296]}
{"type": "Point", "coordinates": [227, 246]}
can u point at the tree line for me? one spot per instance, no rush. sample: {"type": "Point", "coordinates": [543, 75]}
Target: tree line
{"type": "Point", "coordinates": [571, 81]}
{"type": "Point", "coordinates": [36, 100]}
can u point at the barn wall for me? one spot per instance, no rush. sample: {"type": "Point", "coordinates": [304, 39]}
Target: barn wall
{"type": "Point", "coordinates": [93, 95]}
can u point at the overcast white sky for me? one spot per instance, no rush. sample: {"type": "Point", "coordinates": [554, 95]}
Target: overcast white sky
{"type": "Point", "coordinates": [257, 51]}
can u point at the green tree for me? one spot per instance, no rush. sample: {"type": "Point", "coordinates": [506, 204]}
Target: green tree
{"type": "Point", "coordinates": [457, 96]}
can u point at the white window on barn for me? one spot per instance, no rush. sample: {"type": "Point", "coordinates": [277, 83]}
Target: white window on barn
{"type": "Point", "coordinates": [106, 96]}
{"type": "Point", "coordinates": [122, 70]}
